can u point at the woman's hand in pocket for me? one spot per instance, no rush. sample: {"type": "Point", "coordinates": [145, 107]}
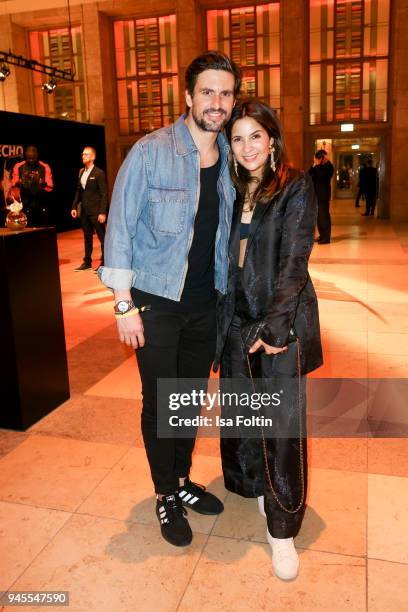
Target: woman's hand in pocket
{"type": "Point", "coordinates": [269, 350]}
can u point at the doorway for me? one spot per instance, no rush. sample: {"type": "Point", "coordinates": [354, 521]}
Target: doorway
{"type": "Point", "coordinates": [350, 151]}
{"type": "Point", "coordinates": [349, 156]}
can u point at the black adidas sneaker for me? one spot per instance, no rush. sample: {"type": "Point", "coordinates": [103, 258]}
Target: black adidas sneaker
{"type": "Point", "coordinates": [196, 497]}
{"type": "Point", "coordinates": [173, 524]}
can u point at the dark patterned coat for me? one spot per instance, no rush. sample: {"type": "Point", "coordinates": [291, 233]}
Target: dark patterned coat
{"type": "Point", "coordinates": [279, 293]}
{"type": "Point", "coordinates": [280, 305]}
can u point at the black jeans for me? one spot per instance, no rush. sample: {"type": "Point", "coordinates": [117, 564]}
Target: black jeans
{"type": "Point", "coordinates": [370, 203]}
{"type": "Point", "coordinates": [89, 224]}
{"type": "Point", "coordinates": [178, 345]}
{"type": "Point", "coordinates": [324, 219]}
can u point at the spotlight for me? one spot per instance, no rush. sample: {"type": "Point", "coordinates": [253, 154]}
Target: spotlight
{"type": "Point", "coordinates": [49, 86]}
{"type": "Point", "coordinates": [4, 72]}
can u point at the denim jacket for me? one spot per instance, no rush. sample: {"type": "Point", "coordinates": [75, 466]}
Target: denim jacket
{"type": "Point", "coordinates": [151, 220]}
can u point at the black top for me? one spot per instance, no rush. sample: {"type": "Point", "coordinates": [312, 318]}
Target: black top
{"type": "Point", "coordinates": [244, 230]}
{"type": "Point", "coordinates": [370, 181]}
{"type": "Point", "coordinates": [322, 175]}
{"type": "Point", "coordinates": [199, 292]}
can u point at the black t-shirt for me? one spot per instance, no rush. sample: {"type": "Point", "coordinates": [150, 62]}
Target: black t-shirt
{"type": "Point", "coordinates": [199, 292]}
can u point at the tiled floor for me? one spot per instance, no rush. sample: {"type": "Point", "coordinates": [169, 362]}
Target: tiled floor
{"type": "Point", "coordinates": [76, 502]}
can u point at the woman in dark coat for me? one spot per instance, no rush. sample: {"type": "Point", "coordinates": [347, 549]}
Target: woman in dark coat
{"type": "Point", "coordinates": [269, 322]}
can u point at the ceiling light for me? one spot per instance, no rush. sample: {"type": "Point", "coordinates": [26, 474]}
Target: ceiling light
{"type": "Point", "coordinates": [347, 127]}
{"type": "Point", "coordinates": [4, 72]}
{"type": "Point", "coordinates": [355, 146]}
{"type": "Point", "coordinates": [49, 86]}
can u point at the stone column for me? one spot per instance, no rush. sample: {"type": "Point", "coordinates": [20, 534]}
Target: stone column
{"type": "Point", "coordinates": [293, 48]}
{"type": "Point", "coordinates": [190, 42]}
{"type": "Point", "coordinates": [100, 82]}
{"type": "Point", "coordinates": [399, 112]}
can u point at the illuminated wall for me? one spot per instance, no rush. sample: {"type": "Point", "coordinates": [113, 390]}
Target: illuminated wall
{"type": "Point", "coordinates": [53, 47]}
{"type": "Point", "coordinates": [348, 53]}
{"type": "Point", "coordinates": [250, 36]}
{"type": "Point", "coordinates": [146, 72]}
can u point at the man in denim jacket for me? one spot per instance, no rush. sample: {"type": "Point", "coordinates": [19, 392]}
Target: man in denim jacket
{"type": "Point", "coordinates": [165, 258]}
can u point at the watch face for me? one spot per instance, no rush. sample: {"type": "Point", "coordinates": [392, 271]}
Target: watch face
{"type": "Point", "coordinates": [122, 306]}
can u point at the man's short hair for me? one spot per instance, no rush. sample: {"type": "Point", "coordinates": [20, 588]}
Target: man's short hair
{"type": "Point", "coordinates": [91, 148]}
{"type": "Point", "coordinates": [320, 154]}
{"type": "Point", "coordinates": [212, 60]}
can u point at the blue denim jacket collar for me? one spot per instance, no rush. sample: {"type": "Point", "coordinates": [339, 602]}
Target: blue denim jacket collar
{"type": "Point", "coordinates": [184, 143]}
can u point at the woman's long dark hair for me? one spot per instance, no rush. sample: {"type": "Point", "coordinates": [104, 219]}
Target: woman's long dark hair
{"type": "Point", "coordinates": [271, 182]}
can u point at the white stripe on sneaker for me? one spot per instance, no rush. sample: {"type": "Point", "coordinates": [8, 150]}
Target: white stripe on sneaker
{"type": "Point", "coordinates": [193, 501]}
{"type": "Point", "coordinates": [182, 494]}
{"type": "Point", "coordinates": [187, 497]}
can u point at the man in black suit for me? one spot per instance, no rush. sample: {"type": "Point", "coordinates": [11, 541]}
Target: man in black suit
{"type": "Point", "coordinates": [90, 204]}
{"type": "Point", "coordinates": [321, 173]}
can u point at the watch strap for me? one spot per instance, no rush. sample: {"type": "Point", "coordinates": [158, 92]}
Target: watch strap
{"type": "Point", "coordinates": [132, 311]}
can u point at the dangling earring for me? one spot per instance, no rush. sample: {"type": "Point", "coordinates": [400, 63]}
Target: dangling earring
{"type": "Point", "coordinates": [235, 165]}
{"type": "Point", "coordinates": [273, 164]}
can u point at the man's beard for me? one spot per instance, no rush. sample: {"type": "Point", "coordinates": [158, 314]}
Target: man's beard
{"type": "Point", "coordinates": [208, 126]}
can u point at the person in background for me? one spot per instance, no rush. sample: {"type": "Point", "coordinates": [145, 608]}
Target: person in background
{"type": "Point", "coordinates": [344, 178]}
{"type": "Point", "coordinates": [360, 184]}
{"type": "Point", "coordinates": [32, 182]}
{"type": "Point", "coordinates": [321, 173]}
{"type": "Point", "coordinates": [90, 205]}
{"type": "Point", "coordinates": [370, 188]}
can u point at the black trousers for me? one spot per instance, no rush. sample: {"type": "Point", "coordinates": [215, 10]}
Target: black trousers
{"type": "Point", "coordinates": [370, 203]}
{"type": "Point", "coordinates": [243, 460]}
{"type": "Point", "coordinates": [359, 195]}
{"type": "Point", "coordinates": [89, 224]}
{"type": "Point", "coordinates": [177, 345]}
{"type": "Point", "coordinates": [324, 219]}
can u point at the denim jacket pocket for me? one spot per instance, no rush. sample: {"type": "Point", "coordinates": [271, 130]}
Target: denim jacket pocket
{"type": "Point", "coordinates": [167, 210]}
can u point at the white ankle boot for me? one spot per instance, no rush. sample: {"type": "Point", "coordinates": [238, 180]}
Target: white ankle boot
{"type": "Point", "coordinates": [261, 505]}
{"type": "Point", "coordinates": [285, 560]}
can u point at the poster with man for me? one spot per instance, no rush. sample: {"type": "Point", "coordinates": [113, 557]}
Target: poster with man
{"type": "Point", "coordinates": [10, 154]}
{"type": "Point", "coordinates": [26, 179]}
{"type": "Point", "coordinates": [39, 164]}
